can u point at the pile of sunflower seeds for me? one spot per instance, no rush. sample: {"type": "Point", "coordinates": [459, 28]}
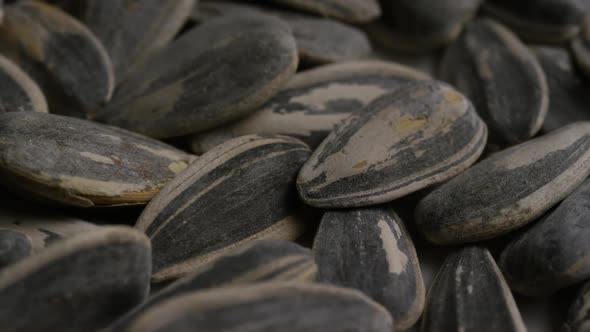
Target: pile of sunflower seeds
{"type": "Point", "coordinates": [294, 165]}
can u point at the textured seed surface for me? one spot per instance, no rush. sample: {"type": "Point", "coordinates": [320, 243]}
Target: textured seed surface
{"type": "Point", "coordinates": [353, 11]}
{"type": "Point", "coordinates": [263, 261]}
{"type": "Point", "coordinates": [501, 77]}
{"type": "Point", "coordinates": [61, 54]}
{"type": "Point", "coordinates": [581, 48]}
{"type": "Point", "coordinates": [369, 249]}
{"type": "Point", "coordinates": [508, 189]}
{"type": "Point", "coordinates": [81, 163]}
{"type": "Point", "coordinates": [14, 246]}
{"type": "Point", "coordinates": [578, 317]}
{"type": "Point", "coordinates": [422, 133]}
{"type": "Point", "coordinates": [314, 102]}
{"type": "Point", "coordinates": [555, 252]}
{"type": "Point", "coordinates": [469, 294]}
{"type": "Point", "coordinates": [241, 191]}
{"type": "Point", "coordinates": [80, 284]}
{"type": "Point", "coordinates": [18, 92]}
{"type": "Point", "coordinates": [214, 73]}
{"type": "Point", "coordinates": [267, 307]}
{"type": "Point", "coordinates": [131, 29]}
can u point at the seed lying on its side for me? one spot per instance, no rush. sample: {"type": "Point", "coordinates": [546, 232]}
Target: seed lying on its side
{"type": "Point", "coordinates": [421, 134]}
{"type": "Point", "coordinates": [501, 77]}
{"type": "Point", "coordinates": [568, 91]}
{"type": "Point", "coordinates": [239, 192]}
{"type": "Point", "coordinates": [547, 21]}
{"type": "Point", "coordinates": [353, 11]}
{"type": "Point", "coordinates": [370, 250]}
{"type": "Point", "coordinates": [61, 54]}
{"type": "Point", "coordinates": [469, 294]}
{"type": "Point", "coordinates": [80, 284]}
{"type": "Point", "coordinates": [18, 92]}
{"type": "Point", "coordinates": [578, 317]}
{"type": "Point", "coordinates": [581, 48]}
{"type": "Point", "coordinates": [213, 74]}
{"type": "Point", "coordinates": [130, 29]}
{"type": "Point", "coordinates": [263, 261]}
{"type": "Point", "coordinates": [508, 189]}
{"type": "Point", "coordinates": [267, 307]}
{"type": "Point", "coordinates": [555, 252]}
{"type": "Point", "coordinates": [77, 162]}
{"type": "Point", "coordinates": [311, 105]}
{"type": "Point", "coordinates": [14, 246]}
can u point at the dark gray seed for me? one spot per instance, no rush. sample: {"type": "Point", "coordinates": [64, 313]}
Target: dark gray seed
{"type": "Point", "coordinates": [555, 252]}
{"type": "Point", "coordinates": [1, 10]}
{"type": "Point", "coordinates": [14, 246]}
{"type": "Point", "coordinates": [569, 100]}
{"type": "Point", "coordinates": [370, 250]}
{"type": "Point", "coordinates": [503, 79]}
{"type": "Point", "coordinates": [547, 21]}
{"type": "Point", "coordinates": [353, 11]}
{"type": "Point", "coordinates": [267, 307]}
{"type": "Point", "coordinates": [469, 294]}
{"type": "Point", "coordinates": [421, 25]}
{"type": "Point", "coordinates": [215, 73]}
{"type": "Point", "coordinates": [581, 49]}
{"type": "Point", "coordinates": [421, 134]}
{"type": "Point", "coordinates": [263, 261]}
{"type": "Point", "coordinates": [80, 284]}
{"type": "Point", "coordinates": [18, 92]}
{"type": "Point", "coordinates": [311, 105]}
{"type": "Point", "coordinates": [61, 54]}
{"type": "Point", "coordinates": [132, 29]}
{"type": "Point", "coordinates": [508, 189]}
{"type": "Point", "coordinates": [82, 163]}
{"type": "Point", "coordinates": [578, 317]}
{"type": "Point", "coordinates": [239, 192]}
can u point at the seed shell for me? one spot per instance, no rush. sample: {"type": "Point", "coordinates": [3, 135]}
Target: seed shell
{"type": "Point", "coordinates": [421, 134]}
{"type": "Point", "coordinates": [370, 250]}
{"type": "Point", "coordinates": [18, 92]}
{"type": "Point", "coordinates": [266, 307]}
{"type": "Point", "coordinates": [581, 48]}
{"type": "Point", "coordinates": [578, 317]}
{"type": "Point", "coordinates": [508, 189]}
{"type": "Point", "coordinates": [352, 11]}
{"type": "Point", "coordinates": [239, 192]}
{"type": "Point", "coordinates": [14, 246]}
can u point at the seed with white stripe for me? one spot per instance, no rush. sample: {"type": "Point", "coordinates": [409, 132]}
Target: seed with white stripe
{"type": "Point", "coordinates": [18, 92]}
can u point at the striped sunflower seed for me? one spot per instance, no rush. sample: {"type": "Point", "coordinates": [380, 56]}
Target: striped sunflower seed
{"type": "Point", "coordinates": [352, 11]}
{"type": "Point", "coordinates": [421, 134]}
{"type": "Point", "coordinates": [14, 247]}
{"type": "Point", "coordinates": [311, 105]}
{"type": "Point", "coordinates": [370, 250]}
{"type": "Point", "coordinates": [77, 162]}
{"type": "Point", "coordinates": [18, 92]}
{"type": "Point", "coordinates": [239, 192]}
{"type": "Point", "coordinates": [581, 48]}
{"type": "Point", "coordinates": [215, 73]}
{"type": "Point", "coordinates": [267, 307]}
{"type": "Point", "coordinates": [263, 261]}
{"type": "Point", "coordinates": [503, 79]}
{"type": "Point", "coordinates": [578, 317]}
{"type": "Point", "coordinates": [80, 284]}
{"type": "Point", "coordinates": [61, 54]}
{"type": "Point", "coordinates": [509, 189]}
{"type": "Point", "coordinates": [553, 253]}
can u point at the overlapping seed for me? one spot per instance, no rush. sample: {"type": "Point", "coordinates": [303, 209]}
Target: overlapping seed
{"type": "Point", "coordinates": [314, 102]}
{"type": "Point", "coordinates": [81, 163]}
{"type": "Point", "coordinates": [239, 192]}
{"type": "Point", "coordinates": [18, 92]}
{"type": "Point", "coordinates": [508, 189]}
{"type": "Point", "coordinates": [470, 294]}
{"type": "Point", "coordinates": [353, 11]}
{"type": "Point", "coordinates": [421, 134]}
{"type": "Point", "coordinates": [501, 77]}
{"type": "Point", "coordinates": [14, 246]}
{"type": "Point", "coordinates": [265, 308]}
{"type": "Point", "coordinates": [581, 48]}
{"type": "Point", "coordinates": [578, 317]}
{"type": "Point", "coordinates": [370, 250]}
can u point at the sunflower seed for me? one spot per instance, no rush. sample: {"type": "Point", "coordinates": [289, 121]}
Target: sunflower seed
{"type": "Point", "coordinates": [263, 261]}
{"type": "Point", "coordinates": [77, 162]}
{"type": "Point", "coordinates": [215, 73]}
{"type": "Point", "coordinates": [578, 317]}
{"type": "Point", "coordinates": [581, 49]}
{"type": "Point", "coordinates": [237, 193]}
{"type": "Point", "coordinates": [502, 78]}
{"type": "Point", "coordinates": [469, 294]}
{"type": "Point", "coordinates": [14, 246]}
{"type": "Point", "coordinates": [508, 189]}
{"type": "Point", "coordinates": [555, 252]}
{"type": "Point", "coordinates": [61, 54]}
{"type": "Point", "coordinates": [18, 92]}
{"type": "Point", "coordinates": [547, 21]}
{"type": "Point", "coordinates": [370, 250]}
{"type": "Point", "coordinates": [293, 307]}
{"type": "Point", "coordinates": [352, 11]}
{"type": "Point", "coordinates": [80, 284]}
{"type": "Point", "coordinates": [421, 134]}
{"type": "Point", "coordinates": [311, 105]}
